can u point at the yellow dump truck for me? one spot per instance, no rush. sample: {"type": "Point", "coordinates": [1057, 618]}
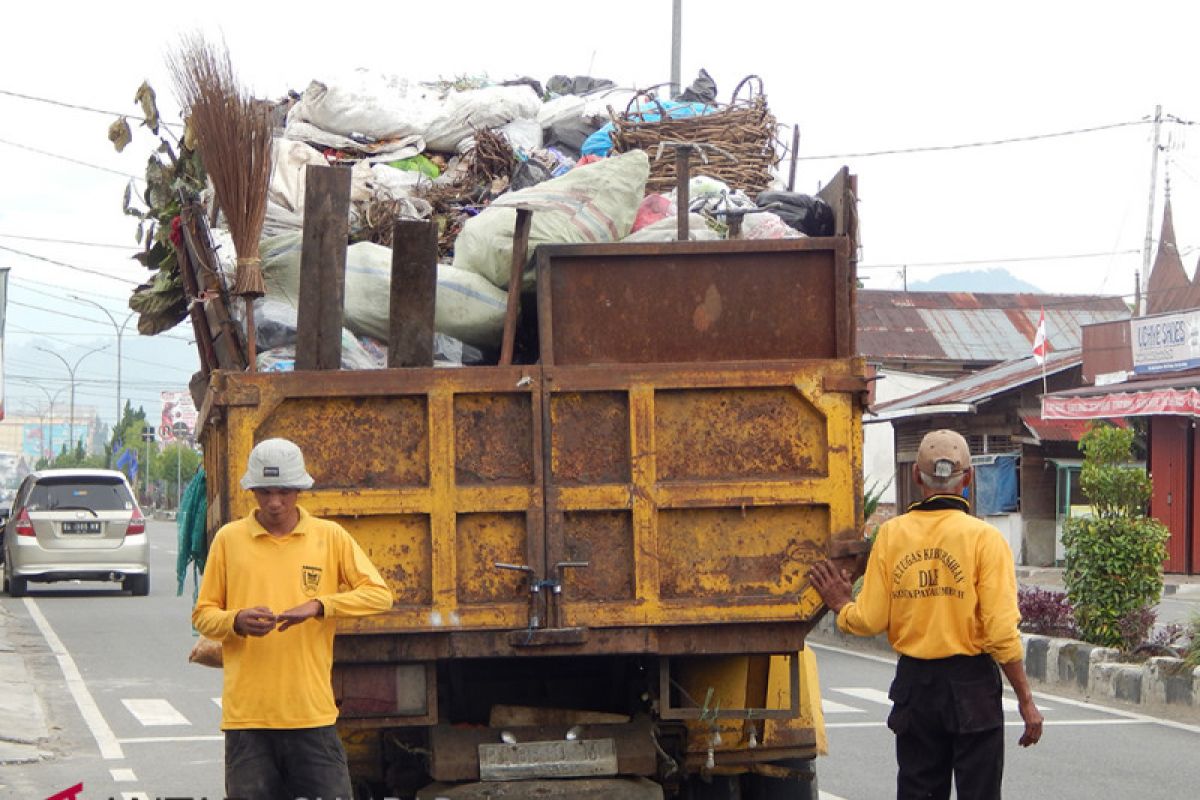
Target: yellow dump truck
{"type": "Point", "coordinates": [600, 559]}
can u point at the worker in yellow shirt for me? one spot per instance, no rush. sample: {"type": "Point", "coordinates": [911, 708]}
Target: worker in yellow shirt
{"type": "Point", "coordinates": [942, 584]}
{"type": "Point", "coordinates": [274, 584]}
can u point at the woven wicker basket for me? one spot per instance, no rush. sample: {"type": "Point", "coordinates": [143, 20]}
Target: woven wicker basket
{"type": "Point", "coordinates": [740, 138]}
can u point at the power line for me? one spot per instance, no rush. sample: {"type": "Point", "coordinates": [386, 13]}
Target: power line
{"type": "Point", "coordinates": [76, 161]}
{"type": "Point", "coordinates": [77, 107]}
{"type": "Point", "coordinates": [64, 241]}
{"type": "Point", "coordinates": [989, 143]}
{"type": "Point", "coordinates": [1010, 260]}
{"type": "Point", "coordinates": [26, 284]}
{"type": "Point", "coordinates": [66, 265]}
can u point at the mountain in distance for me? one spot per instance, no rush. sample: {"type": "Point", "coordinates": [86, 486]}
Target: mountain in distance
{"type": "Point", "coordinates": [981, 280]}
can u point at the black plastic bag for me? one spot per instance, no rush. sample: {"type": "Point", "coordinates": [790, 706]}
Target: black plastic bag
{"type": "Point", "coordinates": [580, 84]}
{"type": "Point", "coordinates": [569, 135]}
{"type": "Point", "coordinates": [528, 173]}
{"type": "Point", "coordinates": [810, 215]}
{"type": "Point", "coordinates": [702, 90]}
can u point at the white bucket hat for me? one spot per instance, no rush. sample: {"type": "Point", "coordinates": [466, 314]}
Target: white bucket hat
{"type": "Point", "coordinates": [276, 464]}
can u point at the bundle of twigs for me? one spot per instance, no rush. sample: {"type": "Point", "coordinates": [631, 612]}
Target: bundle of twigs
{"type": "Point", "coordinates": [491, 157]}
{"type": "Point", "coordinates": [741, 133]}
{"type": "Point", "coordinates": [233, 134]}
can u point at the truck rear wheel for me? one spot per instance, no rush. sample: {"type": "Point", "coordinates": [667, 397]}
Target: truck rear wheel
{"type": "Point", "coordinates": [795, 787]}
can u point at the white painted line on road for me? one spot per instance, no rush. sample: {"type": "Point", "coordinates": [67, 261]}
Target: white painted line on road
{"type": "Point", "coordinates": [832, 707]}
{"type": "Point", "coordinates": [846, 652]}
{"type": "Point", "coordinates": [123, 775]}
{"type": "Point", "coordinates": [109, 747]}
{"type": "Point", "coordinates": [1014, 723]}
{"type": "Point", "coordinates": [866, 693]}
{"type": "Point", "coordinates": [158, 739]}
{"type": "Point", "coordinates": [155, 712]}
{"type": "Point", "coordinates": [1132, 715]}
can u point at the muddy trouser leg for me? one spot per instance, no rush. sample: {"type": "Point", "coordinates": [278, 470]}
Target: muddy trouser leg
{"type": "Point", "coordinates": [315, 764]}
{"type": "Point", "coordinates": [251, 767]}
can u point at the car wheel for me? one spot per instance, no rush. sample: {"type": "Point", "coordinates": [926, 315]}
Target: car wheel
{"type": "Point", "coordinates": [139, 585]}
{"type": "Point", "coordinates": [17, 586]}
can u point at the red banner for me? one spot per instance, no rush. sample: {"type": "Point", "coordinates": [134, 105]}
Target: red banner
{"type": "Point", "coordinates": [1181, 402]}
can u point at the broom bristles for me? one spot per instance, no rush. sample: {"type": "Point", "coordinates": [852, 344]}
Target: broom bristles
{"type": "Point", "coordinates": [233, 132]}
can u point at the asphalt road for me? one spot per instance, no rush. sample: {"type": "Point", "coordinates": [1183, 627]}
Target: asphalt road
{"type": "Point", "coordinates": [130, 718]}
{"type": "Point", "coordinates": [1087, 751]}
{"type": "Point", "coordinates": [140, 722]}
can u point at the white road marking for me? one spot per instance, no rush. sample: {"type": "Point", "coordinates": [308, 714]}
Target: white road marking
{"type": "Point", "coordinates": [123, 775]}
{"type": "Point", "coordinates": [158, 739]}
{"type": "Point", "coordinates": [155, 712]}
{"type": "Point", "coordinates": [832, 707]}
{"type": "Point", "coordinates": [1014, 723]}
{"type": "Point", "coordinates": [865, 693]}
{"type": "Point", "coordinates": [109, 747]}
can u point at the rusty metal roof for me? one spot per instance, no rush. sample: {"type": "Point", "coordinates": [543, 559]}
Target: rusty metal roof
{"type": "Point", "coordinates": [980, 386]}
{"type": "Point", "coordinates": [973, 326]}
{"type": "Point", "coordinates": [1060, 430]}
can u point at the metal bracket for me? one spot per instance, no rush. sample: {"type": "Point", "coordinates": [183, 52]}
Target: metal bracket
{"type": "Point", "coordinates": [668, 711]}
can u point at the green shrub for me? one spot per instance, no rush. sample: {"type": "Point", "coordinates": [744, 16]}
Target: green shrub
{"type": "Point", "coordinates": [1114, 557]}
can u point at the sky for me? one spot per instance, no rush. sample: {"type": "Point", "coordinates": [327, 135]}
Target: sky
{"type": "Point", "coordinates": [1067, 213]}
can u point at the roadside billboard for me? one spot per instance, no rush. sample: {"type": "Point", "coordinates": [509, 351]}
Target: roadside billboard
{"type": "Point", "coordinates": [178, 417]}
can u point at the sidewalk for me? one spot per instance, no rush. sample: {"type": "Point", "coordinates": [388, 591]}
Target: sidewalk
{"type": "Point", "coordinates": [22, 720]}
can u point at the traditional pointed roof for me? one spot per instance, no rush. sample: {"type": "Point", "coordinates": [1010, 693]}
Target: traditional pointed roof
{"type": "Point", "coordinates": [1168, 288]}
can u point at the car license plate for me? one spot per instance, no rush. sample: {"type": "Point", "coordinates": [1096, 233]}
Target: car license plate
{"type": "Point", "coordinates": [82, 527]}
{"type": "Point", "coordinates": [565, 759]}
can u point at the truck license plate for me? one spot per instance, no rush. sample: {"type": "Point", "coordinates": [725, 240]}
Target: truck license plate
{"type": "Point", "coordinates": [81, 527]}
{"type": "Point", "coordinates": [566, 759]}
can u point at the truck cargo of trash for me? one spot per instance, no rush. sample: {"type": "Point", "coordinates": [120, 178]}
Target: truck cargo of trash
{"type": "Point", "coordinates": [592, 161]}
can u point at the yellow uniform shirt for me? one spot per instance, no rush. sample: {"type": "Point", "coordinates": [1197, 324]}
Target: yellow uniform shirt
{"type": "Point", "coordinates": [282, 680]}
{"type": "Point", "coordinates": [941, 583]}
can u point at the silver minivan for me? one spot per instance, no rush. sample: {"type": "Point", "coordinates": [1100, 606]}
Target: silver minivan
{"type": "Point", "coordinates": [76, 524]}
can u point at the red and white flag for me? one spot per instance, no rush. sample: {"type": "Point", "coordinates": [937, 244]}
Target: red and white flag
{"type": "Point", "coordinates": [1040, 345]}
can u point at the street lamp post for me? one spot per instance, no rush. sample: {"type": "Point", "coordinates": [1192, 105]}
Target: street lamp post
{"type": "Point", "coordinates": [71, 371]}
{"type": "Point", "coordinates": [51, 399]}
{"type": "Point", "coordinates": [120, 329]}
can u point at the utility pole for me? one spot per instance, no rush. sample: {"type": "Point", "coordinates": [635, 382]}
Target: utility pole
{"type": "Point", "coordinates": [1149, 241]}
{"type": "Point", "coordinates": [676, 47]}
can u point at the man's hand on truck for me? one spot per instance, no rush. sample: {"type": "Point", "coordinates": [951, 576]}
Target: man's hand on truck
{"type": "Point", "coordinates": [832, 584]}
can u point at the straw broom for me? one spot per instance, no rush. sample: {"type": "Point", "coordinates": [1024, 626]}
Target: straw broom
{"type": "Point", "coordinates": [233, 133]}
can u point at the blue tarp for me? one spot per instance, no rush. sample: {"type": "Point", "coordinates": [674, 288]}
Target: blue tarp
{"type": "Point", "coordinates": [996, 486]}
{"type": "Point", "coordinates": [600, 142]}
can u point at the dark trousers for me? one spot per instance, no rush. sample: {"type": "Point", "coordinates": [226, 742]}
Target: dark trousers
{"type": "Point", "coordinates": [285, 764]}
{"type": "Point", "coordinates": [948, 721]}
